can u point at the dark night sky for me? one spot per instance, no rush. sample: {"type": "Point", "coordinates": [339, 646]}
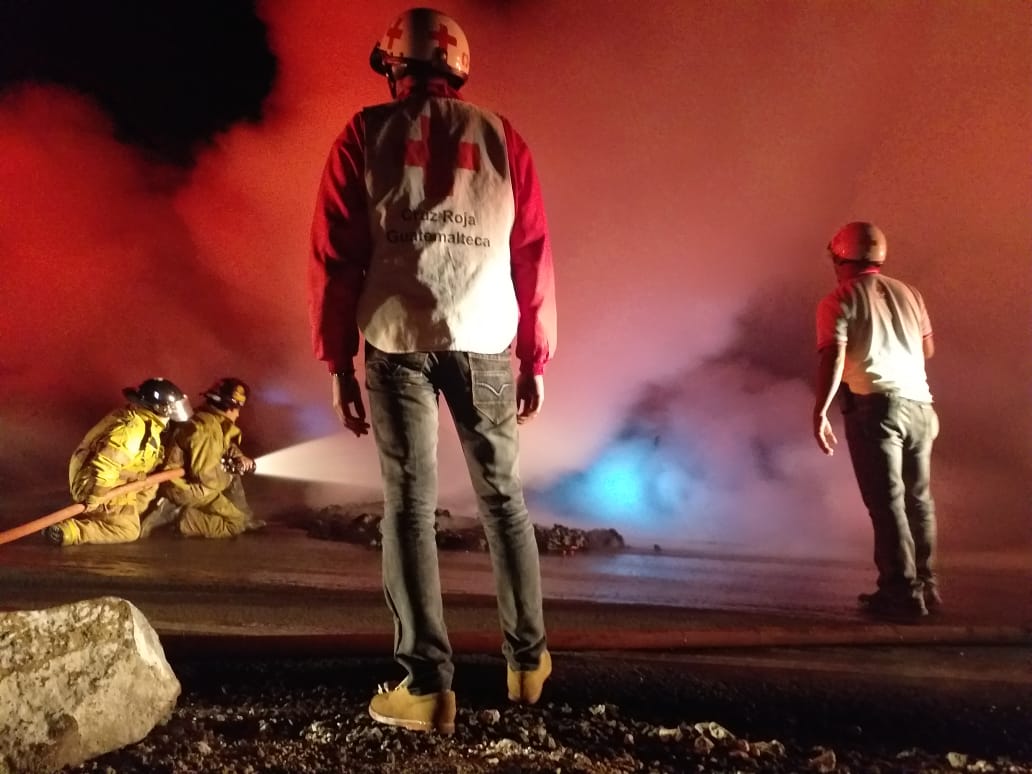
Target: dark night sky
{"type": "Point", "coordinates": [170, 74]}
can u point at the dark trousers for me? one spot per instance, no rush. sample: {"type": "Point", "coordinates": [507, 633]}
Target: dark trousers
{"type": "Point", "coordinates": [403, 400]}
{"type": "Point", "coordinates": [890, 443]}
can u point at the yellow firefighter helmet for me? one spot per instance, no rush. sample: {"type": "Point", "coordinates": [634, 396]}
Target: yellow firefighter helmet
{"type": "Point", "coordinates": [227, 393]}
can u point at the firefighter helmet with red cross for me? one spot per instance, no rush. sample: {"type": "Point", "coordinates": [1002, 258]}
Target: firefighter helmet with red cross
{"type": "Point", "coordinates": [423, 40]}
{"type": "Point", "coordinates": [858, 241]}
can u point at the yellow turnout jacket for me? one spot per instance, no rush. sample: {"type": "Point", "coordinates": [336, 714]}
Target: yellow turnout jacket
{"type": "Point", "coordinates": [198, 446]}
{"type": "Point", "coordinates": [124, 446]}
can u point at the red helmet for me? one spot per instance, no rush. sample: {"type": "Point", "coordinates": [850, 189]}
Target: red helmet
{"type": "Point", "coordinates": [858, 241]}
{"type": "Point", "coordinates": [427, 39]}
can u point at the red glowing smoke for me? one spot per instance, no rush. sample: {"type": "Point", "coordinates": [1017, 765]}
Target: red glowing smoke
{"type": "Point", "coordinates": [695, 159]}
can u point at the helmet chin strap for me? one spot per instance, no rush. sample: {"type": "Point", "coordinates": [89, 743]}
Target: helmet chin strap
{"type": "Point", "coordinates": [395, 73]}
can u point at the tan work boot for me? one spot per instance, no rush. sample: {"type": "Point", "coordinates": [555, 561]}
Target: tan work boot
{"type": "Point", "coordinates": [429, 712]}
{"type": "Point", "coordinates": [525, 687]}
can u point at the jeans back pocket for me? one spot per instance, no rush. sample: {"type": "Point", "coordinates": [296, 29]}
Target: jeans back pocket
{"type": "Point", "coordinates": [494, 390]}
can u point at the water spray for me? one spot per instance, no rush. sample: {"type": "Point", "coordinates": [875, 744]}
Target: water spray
{"type": "Point", "coordinates": [324, 460]}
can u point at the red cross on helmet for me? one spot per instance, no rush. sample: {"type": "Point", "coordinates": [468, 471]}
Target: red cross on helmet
{"type": "Point", "coordinates": [425, 39]}
{"type": "Point", "coordinates": [858, 241]}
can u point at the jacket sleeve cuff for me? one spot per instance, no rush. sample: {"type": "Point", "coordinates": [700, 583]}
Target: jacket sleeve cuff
{"type": "Point", "coordinates": [340, 366]}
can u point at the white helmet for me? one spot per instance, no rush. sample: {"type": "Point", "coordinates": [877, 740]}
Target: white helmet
{"type": "Point", "coordinates": [858, 241]}
{"type": "Point", "coordinates": [426, 39]}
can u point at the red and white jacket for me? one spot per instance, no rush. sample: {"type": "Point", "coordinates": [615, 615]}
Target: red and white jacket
{"type": "Point", "coordinates": [430, 234]}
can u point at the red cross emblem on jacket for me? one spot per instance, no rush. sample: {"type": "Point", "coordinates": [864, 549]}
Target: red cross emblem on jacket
{"type": "Point", "coordinates": [439, 155]}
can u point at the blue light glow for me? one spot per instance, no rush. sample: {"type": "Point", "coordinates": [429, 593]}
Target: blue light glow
{"type": "Point", "coordinates": [309, 419]}
{"type": "Point", "coordinates": [633, 482]}
{"type": "Point", "coordinates": [616, 483]}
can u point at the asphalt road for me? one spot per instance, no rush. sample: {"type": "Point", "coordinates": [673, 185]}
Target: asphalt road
{"type": "Point", "coordinates": [282, 590]}
{"type": "Point", "coordinates": [983, 590]}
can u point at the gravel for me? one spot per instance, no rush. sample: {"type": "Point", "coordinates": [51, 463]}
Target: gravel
{"type": "Point", "coordinates": [600, 714]}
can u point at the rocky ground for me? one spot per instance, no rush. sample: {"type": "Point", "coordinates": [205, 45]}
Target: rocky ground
{"type": "Point", "coordinates": [600, 713]}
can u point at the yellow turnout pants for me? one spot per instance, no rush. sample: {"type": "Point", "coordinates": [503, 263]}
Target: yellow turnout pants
{"type": "Point", "coordinates": [226, 516]}
{"type": "Point", "coordinates": [116, 521]}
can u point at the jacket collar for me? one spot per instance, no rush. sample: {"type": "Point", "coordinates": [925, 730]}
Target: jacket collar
{"type": "Point", "coordinates": [434, 87]}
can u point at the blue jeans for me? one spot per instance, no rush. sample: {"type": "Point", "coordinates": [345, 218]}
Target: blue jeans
{"type": "Point", "coordinates": [890, 442]}
{"type": "Point", "coordinates": [403, 401]}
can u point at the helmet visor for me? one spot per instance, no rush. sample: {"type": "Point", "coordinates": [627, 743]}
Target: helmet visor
{"type": "Point", "coordinates": [180, 410]}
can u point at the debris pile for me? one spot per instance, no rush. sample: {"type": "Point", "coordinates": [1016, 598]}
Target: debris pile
{"type": "Point", "coordinates": [361, 526]}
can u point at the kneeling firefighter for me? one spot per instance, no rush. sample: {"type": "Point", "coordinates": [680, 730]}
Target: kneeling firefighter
{"type": "Point", "coordinates": [209, 500]}
{"type": "Point", "coordinates": [125, 446]}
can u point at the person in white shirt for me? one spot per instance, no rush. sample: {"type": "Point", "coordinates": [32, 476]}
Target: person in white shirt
{"type": "Point", "coordinates": [873, 337]}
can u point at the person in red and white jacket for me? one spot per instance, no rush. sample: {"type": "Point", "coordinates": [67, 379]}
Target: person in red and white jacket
{"type": "Point", "coordinates": [430, 240]}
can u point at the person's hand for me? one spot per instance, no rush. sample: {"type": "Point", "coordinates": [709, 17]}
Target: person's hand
{"type": "Point", "coordinates": [237, 463]}
{"type": "Point", "coordinates": [824, 434]}
{"type": "Point", "coordinates": [530, 394]}
{"type": "Point", "coordinates": [347, 403]}
{"type": "Point", "coordinates": [96, 498]}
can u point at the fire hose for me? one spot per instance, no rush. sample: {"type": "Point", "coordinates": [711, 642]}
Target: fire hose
{"type": "Point", "coordinates": [10, 535]}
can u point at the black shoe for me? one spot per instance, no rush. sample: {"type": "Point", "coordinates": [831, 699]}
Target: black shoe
{"type": "Point", "coordinates": [893, 608]}
{"type": "Point", "coordinates": [163, 514]}
{"type": "Point", "coordinates": [53, 535]}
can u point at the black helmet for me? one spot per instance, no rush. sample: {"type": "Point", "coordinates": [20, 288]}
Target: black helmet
{"type": "Point", "coordinates": [162, 397]}
{"type": "Point", "coordinates": [227, 393]}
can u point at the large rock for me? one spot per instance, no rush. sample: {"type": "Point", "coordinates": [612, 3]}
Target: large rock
{"type": "Point", "coordinates": [77, 681]}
